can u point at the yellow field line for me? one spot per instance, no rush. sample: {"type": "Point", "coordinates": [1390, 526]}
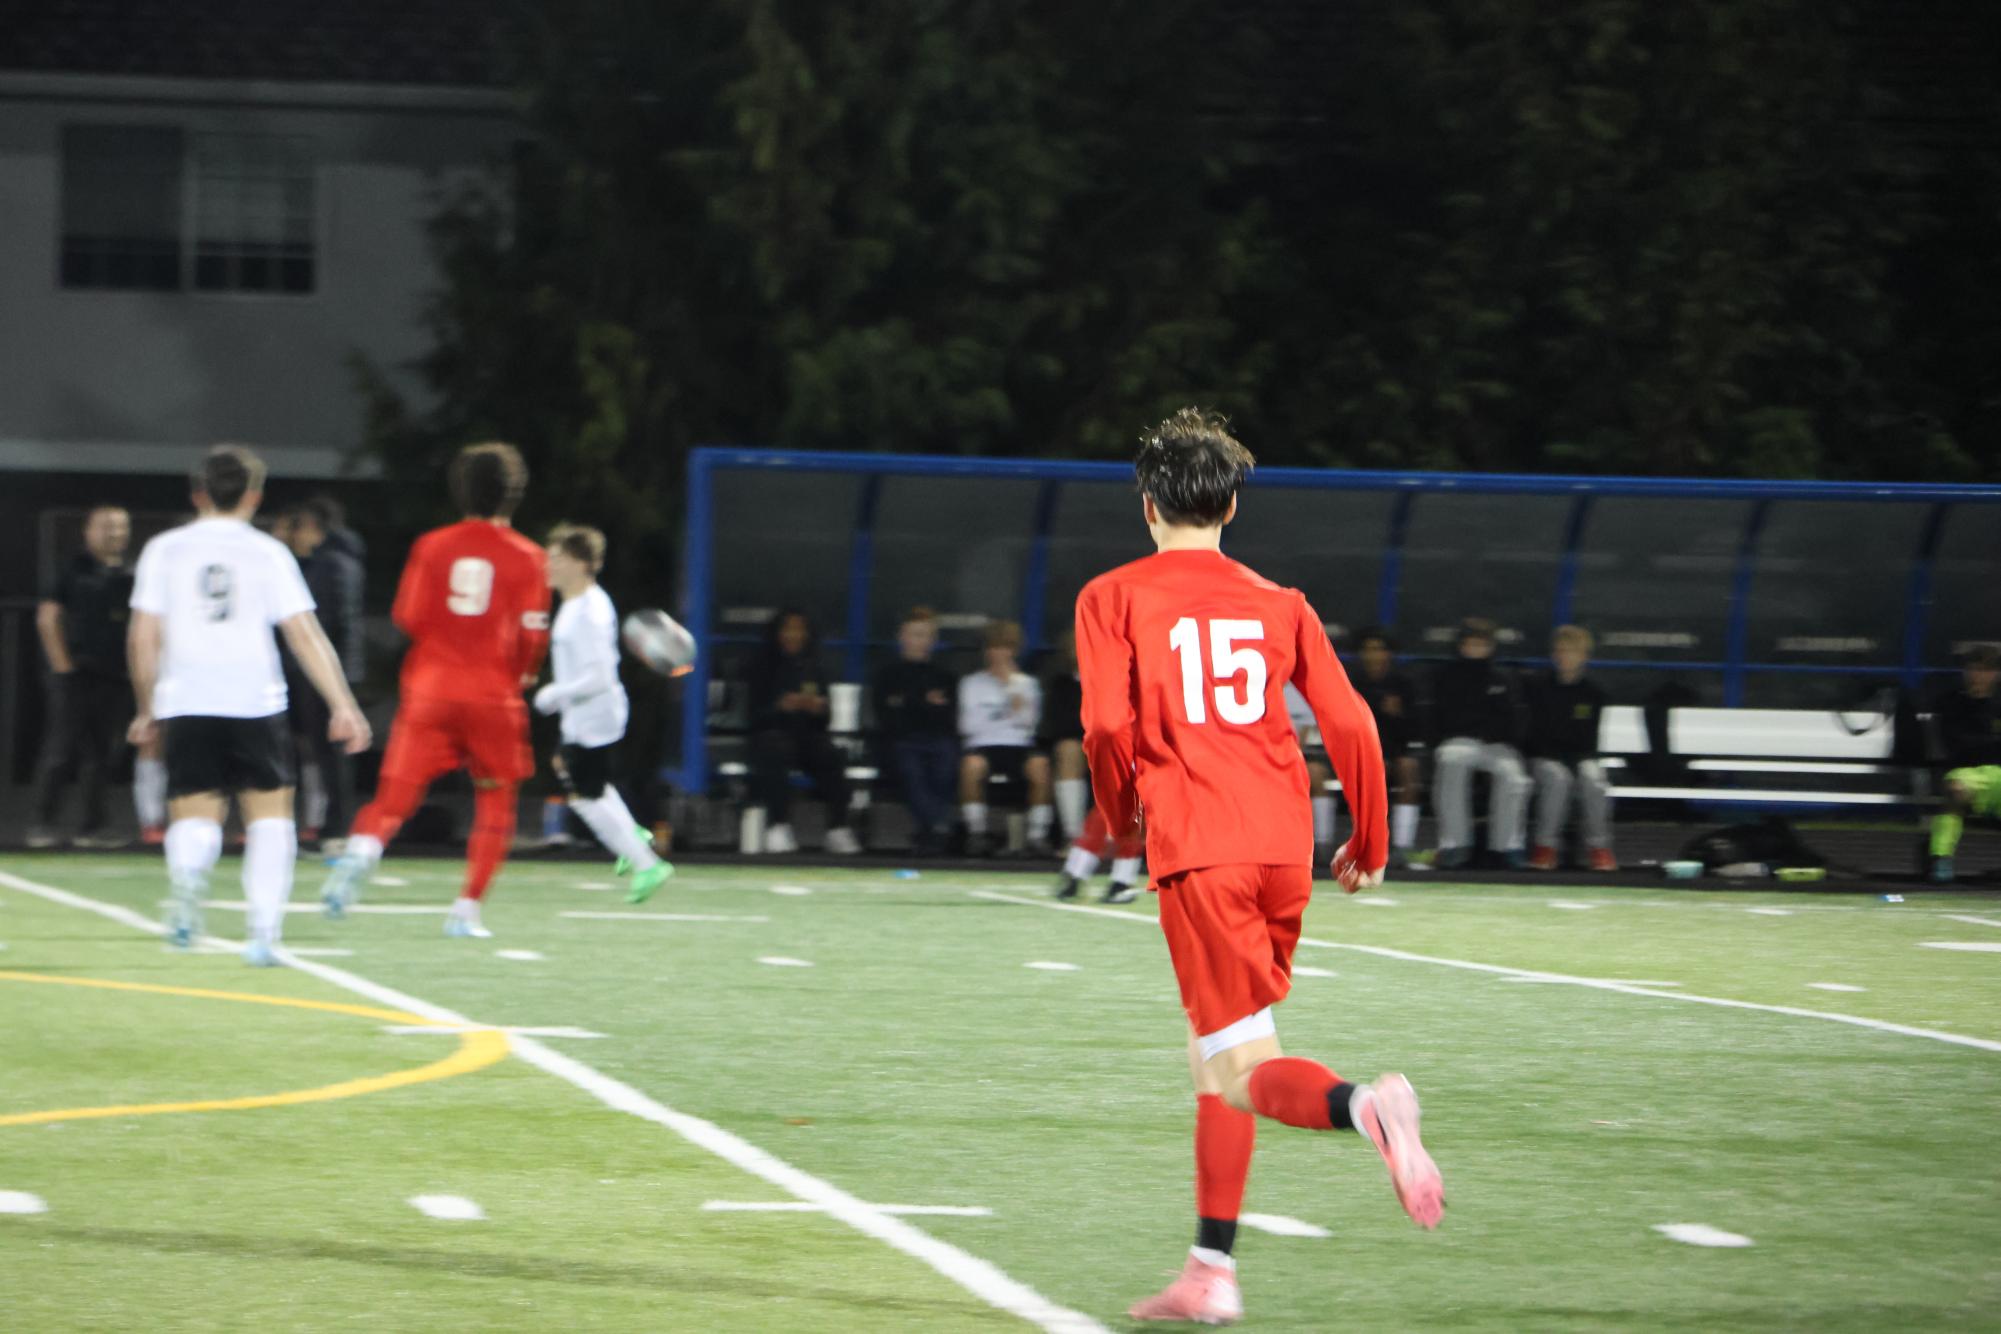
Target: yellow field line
{"type": "Point", "coordinates": [476, 1051]}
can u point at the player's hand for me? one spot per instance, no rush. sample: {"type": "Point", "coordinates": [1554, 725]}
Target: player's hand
{"type": "Point", "coordinates": [143, 731]}
{"type": "Point", "coordinates": [1352, 876]}
{"type": "Point", "coordinates": [349, 730]}
{"type": "Point", "coordinates": [546, 700]}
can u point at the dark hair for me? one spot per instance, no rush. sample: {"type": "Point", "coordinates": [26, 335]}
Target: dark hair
{"type": "Point", "coordinates": [1477, 627]}
{"type": "Point", "coordinates": [487, 480]}
{"type": "Point", "coordinates": [1002, 634]}
{"type": "Point", "coordinates": [326, 512]}
{"type": "Point", "coordinates": [1982, 655]}
{"type": "Point", "coordinates": [579, 543]}
{"type": "Point", "coordinates": [771, 649]}
{"type": "Point", "coordinates": [1191, 467]}
{"type": "Point", "coordinates": [920, 612]}
{"type": "Point", "coordinates": [226, 475]}
{"type": "Point", "coordinates": [1372, 634]}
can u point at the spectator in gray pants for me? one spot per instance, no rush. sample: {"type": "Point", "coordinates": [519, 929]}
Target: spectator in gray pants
{"type": "Point", "coordinates": [1477, 718]}
{"type": "Point", "coordinates": [1564, 712]}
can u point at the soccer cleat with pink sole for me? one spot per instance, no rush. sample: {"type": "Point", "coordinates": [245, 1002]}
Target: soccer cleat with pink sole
{"type": "Point", "coordinates": [1204, 1294]}
{"type": "Point", "coordinates": [1386, 1111]}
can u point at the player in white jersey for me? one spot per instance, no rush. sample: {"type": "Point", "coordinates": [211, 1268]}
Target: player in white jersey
{"type": "Point", "coordinates": [205, 599]}
{"type": "Point", "coordinates": [583, 657]}
{"type": "Point", "coordinates": [999, 711]}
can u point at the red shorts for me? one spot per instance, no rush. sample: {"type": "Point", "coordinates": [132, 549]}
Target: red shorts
{"type": "Point", "coordinates": [431, 737]}
{"type": "Point", "coordinates": [1231, 931]}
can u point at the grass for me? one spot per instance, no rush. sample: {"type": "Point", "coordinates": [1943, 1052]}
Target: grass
{"type": "Point", "coordinates": [919, 1062]}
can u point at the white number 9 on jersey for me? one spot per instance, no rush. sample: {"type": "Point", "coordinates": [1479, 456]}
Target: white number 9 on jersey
{"type": "Point", "coordinates": [472, 586]}
{"type": "Point", "coordinates": [1228, 662]}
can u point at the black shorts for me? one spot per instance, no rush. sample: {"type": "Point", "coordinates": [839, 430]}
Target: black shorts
{"type": "Point", "coordinates": [208, 754]}
{"type": "Point", "coordinates": [587, 770]}
{"type": "Point", "coordinates": [1007, 762]}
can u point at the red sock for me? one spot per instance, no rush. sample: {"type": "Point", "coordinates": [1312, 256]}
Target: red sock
{"type": "Point", "coordinates": [1224, 1137]}
{"type": "Point", "coordinates": [396, 800]}
{"type": "Point", "coordinates": [1295, 1090]}
{"type": "Point", "coordinates": [493, 810]}
{"type": "Point", "coordinates": [1094, 835]}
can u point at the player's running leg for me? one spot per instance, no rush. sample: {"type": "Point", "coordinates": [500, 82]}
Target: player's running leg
{"type": "Point", "coordinates": [1127, 858]}
{"type": "Point", "coordinates": [1086, 852]}
{"type": "Point", "coordinates": [193, 845]}
{"type": "Point", "coordinates": [421, 747]}
{"type": "Point", "coordinates": [270, 849]}
{"type": "Point", "coordinates": [620, 833]}
{"type": "Point", "coordinates": [494, 804]}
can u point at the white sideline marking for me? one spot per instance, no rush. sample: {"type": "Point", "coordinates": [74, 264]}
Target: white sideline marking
{"type": "Point", "coordinates": [1374, 902]}
{"type": "Point", "coordinates": [1304, 970]}
{"type": "Point", "coordinates": [1281, 1226]}
{"type": "Point", "coordinates": [1609, 981]}
{"type": "Point", "coordinates": [322, 951]}
{"type": "Point", "coordinates": [388, 881]}
{"type": "Point", "coordinates": [1596, 984]}
{"type": "Point", "coordinates": [783, 961]}
{"type": "Point", "coordinates": [659, 917]}
{"type": "Point", "coordinates": [381, 909]}
{"type": "Point", "coordinates": [453, 1030]}
{"type": "Point", "coordinates": [1970, 946]}
{"type": "Point", "coordinates": [592, 884]}
{"type": "Point", "coordinates": [795, 891]}
{"type": "Point", "coordinates": [452, 1208]}
{"type": "Point", "coordinates": [1977, 921]}
{"type": "Point", "coordinates": [1700, 1234]}
{"type": "Point", "coordinates": [1049, 966]}
{"type": "Point", "coordinates": [802, 1207]}
{"type": "Point", "coordinates": [1834, 986]}
{"type": "Point", "coordinates": [519, 956]}
{"type": "Point", "coordinates": [1771, 912]}
{"type": "Point", "coordinates": [21, 1202]}
{"type": "Point", "coordinates": [1573, 907]}
{"type": "Point", "coordinates": [981, 1278]}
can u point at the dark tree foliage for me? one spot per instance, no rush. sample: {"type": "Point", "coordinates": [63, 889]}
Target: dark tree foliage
{"type": "Point", "coordinates": [1606, 235]}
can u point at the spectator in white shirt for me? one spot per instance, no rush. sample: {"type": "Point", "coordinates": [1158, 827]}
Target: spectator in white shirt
{"type": "Point", "coordinates": [999, 711]}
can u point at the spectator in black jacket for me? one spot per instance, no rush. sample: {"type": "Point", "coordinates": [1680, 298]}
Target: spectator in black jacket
{"type": "Point", "coordinates": [788, 724]}
{"type": "Point", "coordinates": [1475, 713]}
{"type": "Point", "coordinates": [329, 558]}
{"type": "Point", "coordinates": [1969, 719]}
{"type": "Point", "coordinates": [916, 710]}
{"type": "Point", "coordinates": [1564, 711]}
{"type": "Point", "coordinates": [1392, 698]}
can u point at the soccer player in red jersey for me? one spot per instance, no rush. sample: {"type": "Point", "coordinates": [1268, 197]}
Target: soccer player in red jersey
{"type": "Point", "coordinates": [1184, 658]}
{"type": "Point", "coordinates": [474, 600]}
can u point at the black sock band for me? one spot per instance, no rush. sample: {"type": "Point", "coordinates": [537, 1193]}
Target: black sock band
{"type": "Point", "coordinates": [1337, 1106]}
{"type": "Point", "coordinates": [1216, 1234]}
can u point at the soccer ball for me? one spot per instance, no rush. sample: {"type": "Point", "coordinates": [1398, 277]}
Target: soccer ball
{"type": "Point", "coordinates": [659, 641]}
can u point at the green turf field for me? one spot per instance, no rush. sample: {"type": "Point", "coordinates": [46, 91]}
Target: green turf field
{"type": "Point", "coordinates": [920, 1062]}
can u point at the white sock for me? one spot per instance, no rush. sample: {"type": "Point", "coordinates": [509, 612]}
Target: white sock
{"type": "Point", "coordinates": [149, 792]}
{"type": "Point", "coordinates": [612, 823]}
{"type": "Point", "coordinates": [1403, 826]}
{"type": "Point", "coordinates": [313, 795]}
{"type": "Point", "coordinates": [1039, 820]}
{"type": "Point", "coordinates": [192, 849]}
{"type": "Point", "coordinates": [1323, 820]}
{"type": "Point", "coordinates": [1220, 1259]}
{"type": "Point", "coordinates": [976, 816]}
{"type": "Point", "coordinates": [364, 848]}
{"type": "Point", "coordinates": [465, 908]}
{"type": "Point", "coordinates": [1125, 870]}
{"type": "Point", "coordinates": [270, 847]}
{"type": "Point", "coordinates": [1073, 798]}
{"type": "Point", "coordinates": [1080, 864]}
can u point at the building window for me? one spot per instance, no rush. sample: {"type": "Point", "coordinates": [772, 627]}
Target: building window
{"type": "Point", "coordinates": [147, 208]}
{"type": "Point", "coordinates": [122, 207]}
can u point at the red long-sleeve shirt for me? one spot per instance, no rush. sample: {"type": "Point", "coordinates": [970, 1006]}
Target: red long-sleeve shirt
{"type": "Point", "coordinates": [1183, 658]}
{"type": "Point", "coordinates": [474, 600]}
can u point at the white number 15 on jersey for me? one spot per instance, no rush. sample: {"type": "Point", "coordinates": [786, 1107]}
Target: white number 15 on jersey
{"type": "Point", "coordinates": [1227, 662]}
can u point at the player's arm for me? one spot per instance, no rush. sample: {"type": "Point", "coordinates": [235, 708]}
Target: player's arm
{"type": "Point", "coordinates": [597, 674]}
{"type": "Point", "coordinates": [49, 624]}
{"type": "Point", "coordinates": [415, 593]}
{"type": "Point", "coordinates": [142, 659]}
{"type": "Point", "coordinates": [1348, 734]}
{"type": "Point", "coordinates": [1105, 673]}
{"type": "Point", "coordinates": [316, 657]}
{"type": "Point", "coordinates": [532, 599]}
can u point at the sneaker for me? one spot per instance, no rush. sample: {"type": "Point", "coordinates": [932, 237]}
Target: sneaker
{"type": "Point", "coordinates": [1386, 1111]}
{"type": "Point", "coordinates": [1067, 886]}
{"type": "Point", "coordinates": [1542, 859]}
{"type": "Point", "coordinates": [39, 839]}
{"type": "Point", "coordinates": [841, 841]}
{"type": "Point", "coordinates": [624, 864]}
{"type": "Point", "coordinates": [1452, 859]}
{"type": "Point", "coordinates": [342, 887]}
{"type": "Point", "coordinates": [463, 921]}
{"type": "Point", "coordinates": [95, 842]}
{"type": "Point", "coordinates": [259, 953]}
{"type": "Point", "coordinates": [1515, 859]}
{"type": "Point", "coordinates": [1603, 861]}
{"type": "Point", "coordinates": [1942, 870]}
{"type": "Point", "coordinates": [778, 840]}
{"type": "Point", "coordinates": [646, 881]}
{"type": "Point", "coordinates": [1120, 892]}
{"type": "Point", "coordinates": [1204, 1294]}
{"type": "Point", "coordinates": [153, 836]}
{"type": "Point", "coordinates": [184, 924]}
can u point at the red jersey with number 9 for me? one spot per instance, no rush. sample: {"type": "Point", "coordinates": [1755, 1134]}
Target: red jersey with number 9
{"type": "Point", "coordinates": [1184, 658]}
{"type": "Point", "coordinates": [475, 602]}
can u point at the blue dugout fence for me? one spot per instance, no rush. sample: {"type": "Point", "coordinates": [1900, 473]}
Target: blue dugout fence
{"type": "Point", "coordinates": [1783, 594]}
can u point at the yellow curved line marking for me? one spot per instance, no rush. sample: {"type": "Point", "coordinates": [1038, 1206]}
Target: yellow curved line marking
{"type": "Point", "coordinates": [476, 1051]}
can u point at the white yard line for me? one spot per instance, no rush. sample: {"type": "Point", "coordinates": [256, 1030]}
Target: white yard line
{"type": "Point", "coordinates": [1281, 1225]}
{"type": "Point", "coordinates": [1976, 921]}
{"type": "Point", "coordinates": [658, 917]}
{"type": "Point", "coordinates": [801, 1207]}
{"type": "Point", "coordinates": [1700, 1234]}
{"type": "Point", "coordinates": [1595, 984]}
{"type": "Point", "coordinates": [981, 1278]}
{"type": "Point", "coordinates": [450, 1208]}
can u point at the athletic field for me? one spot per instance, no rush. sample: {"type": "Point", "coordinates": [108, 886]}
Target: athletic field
{"type": "Point", "coordinates": [839, 1100]}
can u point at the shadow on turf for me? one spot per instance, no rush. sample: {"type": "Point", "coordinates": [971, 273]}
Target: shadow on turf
{"type": "Point", "coordinates": [518, 1267]}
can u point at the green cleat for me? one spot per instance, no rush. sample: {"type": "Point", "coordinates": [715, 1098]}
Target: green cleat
{"type": "Point", "coordinates": [624, 866]}
{"type": "Point", "coordinates": [648, 880]}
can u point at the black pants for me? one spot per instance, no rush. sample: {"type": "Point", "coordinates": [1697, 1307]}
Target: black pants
{"type": "Point", "coordinates": [773, 757]}
{"type": "Point", "coordinates": [87, 716]}
{"type": "Point", "coordinates": [309, 719]}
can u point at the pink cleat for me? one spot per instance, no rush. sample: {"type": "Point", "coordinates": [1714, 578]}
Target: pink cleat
{"type": "Point", "coordinates": [1205, 1294]}
{"type": "Point", "coordinates": [1387, 1113]}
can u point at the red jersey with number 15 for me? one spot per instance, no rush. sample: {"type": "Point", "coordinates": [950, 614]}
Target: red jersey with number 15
{"type": "Point", "coordinates": [1184, 658]}
{"type": "Point", "coordinates": [475, 602]}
